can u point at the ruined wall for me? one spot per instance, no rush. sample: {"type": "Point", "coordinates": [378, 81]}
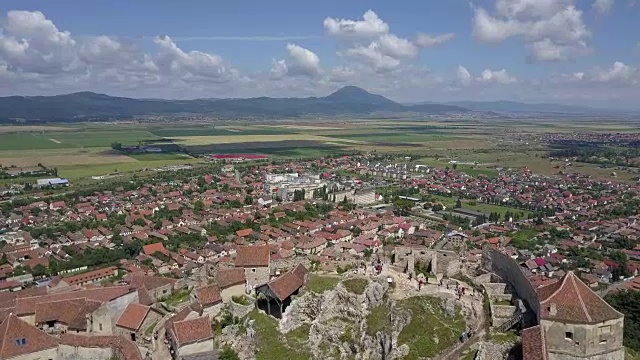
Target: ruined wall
{"type": "Point", "coordinates": [212, 311]}
{"type": "Point", "coordinates": [286, 264]}
{"type": "Point", "coordinates": [256, 276]}
{"type": "Point", "coordinates": [196, 348]}
{"type": "Point", "coordinates": [510, 272]}
{"type": "Point", "coordinates": [240, 310]}
{"type": "Point", "coordinates": [501, 313]}
{"type": "Point", "coordinates": [66, 352]}
{"type": "Point", "coordinates": [44, 354]}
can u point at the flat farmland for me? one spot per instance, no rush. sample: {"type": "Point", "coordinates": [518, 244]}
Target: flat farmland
{"type": "Point", "coordinates": [83, 171]}
{"type": "Point", "coordinates": [212, 140]}
{"type": "Point", "coordinates": [213, 131]}
{"type": "Point", "coordinates": [57, 157]}
{"type": "Point", "coordinates": [32, 128]}
{"type": "Point", "coordinates": [75, 138]}
{"type": "Point", "coordinates": [480, 146]}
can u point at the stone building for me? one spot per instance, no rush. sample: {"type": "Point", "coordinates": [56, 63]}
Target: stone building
{"type": "Point", "coordinates": [231, 282]}
{"type": "Point", "coordinates": [569, 320]}
{"type": "Point", "coordinates": [191, 337]}
{"type": "Point", "coordinates": [577, 323]}
{"type": "Point", "coordinates": [136, 320]}
{"type": "Point", "coordinates": [256, 261]}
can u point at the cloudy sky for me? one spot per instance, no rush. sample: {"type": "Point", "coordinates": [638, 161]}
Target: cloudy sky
{"type": "Point", "coordinates": [561, 51]}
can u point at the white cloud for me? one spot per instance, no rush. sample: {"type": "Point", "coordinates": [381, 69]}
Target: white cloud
{"type": "Point", "coordinates": [464, 76]}
{"type": "Point", "coordinates": [369, 42]}
{"type": "Point", "coordinates": [341, 74]}
{"type": "Point", "coordinates": [603, 6]}
{"type": "Point", "coordinates": [488, 76]}
{"type": "Point", "coordinates": [305, 61]}
{"type": "Point", "coordinates": [499, 76]}
{"type": "Point", "coordinates": [190, 66]}
{"type": "Point", "coordinates": [374, 57]}
{"type": "Point", "coordinates": [35, 57]}
{"type": "Point", "coordinates": [552, 29]}
{"type": "Point", "coordinates": [278, 70]}
{"type": "Point", "coordinates": [396, 47]}
{"type": "Point", "coordinates": [370, 26]}
{"type": "Point", "coordinates": [31, 43]}
{"type": "Point", "coordinates": [619, 72]}
{"type": "Point", "coordinates": [428, 40]}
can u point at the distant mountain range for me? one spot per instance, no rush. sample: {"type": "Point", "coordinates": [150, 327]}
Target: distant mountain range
{"type": "Point", "coordinates": [514, 107]}
{"type": "Point", "coordinates": [87, 105]}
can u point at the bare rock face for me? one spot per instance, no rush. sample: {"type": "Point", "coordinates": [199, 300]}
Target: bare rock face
{"type": "Point", "coordinates": [374, 293]}
{"type": "Point", "coordinates": [303, 310]}
{"type": "Point", "coordinates": [449, 308]}
{"type": "Point", "coordinates": [493, 351]}
{"type": "Point", "coordinates": [243, 343]}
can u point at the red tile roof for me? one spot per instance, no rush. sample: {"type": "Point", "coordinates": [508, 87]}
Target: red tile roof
{"type": "Point", "coordinates": [208, 295]}
{"type": "Point", "coordinates": [287, 284]}
{"type": "Point", "coordinates": [253, 255]}
{"type": "Point", "coordinates": [148, 282]}
{"type": "Point", "coordinates": [534, 344]}
{"type": "Point", "coordinates": [153, 248]}
{"type": "Point", "coordinates": [133, 316]}
{"type": "Point", "coordinates": [70, 312]}
{"type": "Point", "coordinates": [190, 331]}
{"type": "Point", "coordinates": [574, 302]}
{"type": "Point", "coordinates": [244, 232]}
{"type": "Point", "coordinates": [27, 305]}
{"type": "Point", "coordinates": [13, 330]}
{"type": "Point", "coordinates": [230, 277]}
{"type": "Point", "coordinates": [90, 276]}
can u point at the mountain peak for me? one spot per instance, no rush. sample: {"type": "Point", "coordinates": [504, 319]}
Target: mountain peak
{"type": "Point", "coordinates": [355, 94]}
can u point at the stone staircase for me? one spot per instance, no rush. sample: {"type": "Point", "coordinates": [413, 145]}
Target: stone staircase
{"type": "Point", "coordinates": [515, 319]}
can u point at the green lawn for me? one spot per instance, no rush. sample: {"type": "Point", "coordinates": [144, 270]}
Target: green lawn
{"type": "Point", "coordinates": [178, 297]}
{"type": "Point", "coordinates": [476, 171]}
{"type": "Point", "coordinates": [356, 286]}
{"type": "Point", "coordinates": [469, 355]}
{"type": "Point", "coordinates": [271, 345]}
{"type": "Point", "coordinates": [429, 332]}
{"type": "Point", "coordinates": [319, 284]}
{"type": "Point", "coordinates": [632, 354]}
{"type": "Point", "coordinates": [489, 208]}
{"type": "Point", "coordinates": [299, 335]}
{"type": "Point", "coordinates": [521, 238]}
{"type": "Point", "coordinates": [447, 201]}
{"type": "Point", "coordinates": [506, 337]}
{"type": "Point", "coordinates": [378, 320]}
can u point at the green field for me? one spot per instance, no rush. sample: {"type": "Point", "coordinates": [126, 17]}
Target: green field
{"type": "Point", "coordinates": [81, 150]}
{"type": "Point", "coordinates": [159, 156]}
{"type": "Point", "coordinates": [82, 171]}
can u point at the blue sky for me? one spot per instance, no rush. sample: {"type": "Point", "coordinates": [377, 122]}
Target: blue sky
{"type": "Point", "coordinates": [563, 51]}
